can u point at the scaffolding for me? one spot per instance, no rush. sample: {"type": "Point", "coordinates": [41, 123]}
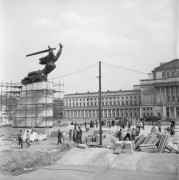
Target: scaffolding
{"type": "Point", "coordinates": [31, 105]}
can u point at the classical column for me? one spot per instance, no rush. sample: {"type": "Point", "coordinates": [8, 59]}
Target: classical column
{"type": "Point", "coordinates": [175, 93]}
{"type": "Point", "coordinates": [175, 112]}
{"type": "Point", "coordinates": [164, 112]}
{"type": "Point", "coordinates": [170, 94]}
{"type": "Point", "coordinates": [170, 111]}
{"type": "Point", "coordinates": [81, 113]}
{"type": "Point", "coordinates": [165, 94]}
{"type": "Point", "coordinates": [155, 94]}
{"type": "Point", "coordinates": [132, 112]}
{"type": "Point", "coordinates": [140, 112]}
{"type": "Point", "coordinates": [160, 94]}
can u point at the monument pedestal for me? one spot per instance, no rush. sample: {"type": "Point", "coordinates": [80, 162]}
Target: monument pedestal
{"type": "Point", "coordinates": [35, 106]}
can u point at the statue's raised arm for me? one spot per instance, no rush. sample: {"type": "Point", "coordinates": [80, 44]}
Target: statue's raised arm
{"type": "Point", "coordinates": [48, 61]}
{"type": "Point", "coordinates": [59, 52]}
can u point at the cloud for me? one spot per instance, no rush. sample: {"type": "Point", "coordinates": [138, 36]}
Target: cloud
{"type": "Point", "coordinates": [82, 21]}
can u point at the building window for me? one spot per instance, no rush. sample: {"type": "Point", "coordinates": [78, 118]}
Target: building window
{"type": "Point", "coordinates": [168, 98]}
{"type": "Point", "coordinates": [163, 74]}
{"type": "Point", "coordinates": [168, 74]}
{"type": "Point", "coordinates": [173, 74]}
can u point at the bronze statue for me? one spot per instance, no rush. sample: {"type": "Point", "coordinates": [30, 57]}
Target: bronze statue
{"type": "Point", "coordinates": [48, 61]}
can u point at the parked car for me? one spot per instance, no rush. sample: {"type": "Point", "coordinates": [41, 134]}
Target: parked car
{"type": "Point", "coordinates": [152, 118]}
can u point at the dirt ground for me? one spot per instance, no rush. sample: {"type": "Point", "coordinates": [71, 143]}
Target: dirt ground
{"type": "Point", "coordinates": [14, 161]}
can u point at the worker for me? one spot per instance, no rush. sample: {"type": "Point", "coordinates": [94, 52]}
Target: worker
{"type": "Point", "coordinates": [153, 130]}
{"type": "Point", "coordinates": [59, 136]}
{"type": "Point", "coordinates": [119, 134]}
{"type": "Point", "coordinates": [70, 135]}
{"type": "Point", "coordinates": [133, 134]}
{"type": "Point", "coordinates": [28, 139]}
{"type": "Point", "coordinates": [19, 138]}
{"type": "Point", "coordinates": [128, 135]}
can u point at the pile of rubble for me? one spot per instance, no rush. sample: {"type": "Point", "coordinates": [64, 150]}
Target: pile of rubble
{"type": "Point", "coordinates": [152, 143]}
{"type": "Point", "coordinates": [155, 143]}
{"type": "Point", "coordinates": [34, 136]}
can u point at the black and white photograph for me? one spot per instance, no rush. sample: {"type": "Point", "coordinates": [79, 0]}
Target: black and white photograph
{"type": "Point", "coordinates": [89, 89]}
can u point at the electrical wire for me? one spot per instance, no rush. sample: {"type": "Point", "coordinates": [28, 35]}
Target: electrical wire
{"type": "Point", "coordinates": [124, 68]}
{"type": "Point", "coordinates": [75, 72]}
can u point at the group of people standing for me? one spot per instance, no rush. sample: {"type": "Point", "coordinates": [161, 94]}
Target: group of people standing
{"type": "Point", "coordinates": [75, 135]}
{"type": "Point", "coordinates": [20, 139]}
{"type": "Point", "coordinates": [131, 132]}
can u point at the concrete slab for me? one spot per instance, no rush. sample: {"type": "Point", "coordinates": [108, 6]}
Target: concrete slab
{"type": "Point", "coordinates": [138, 161]}
{"type": "Point", "coordinates": [89, 157]}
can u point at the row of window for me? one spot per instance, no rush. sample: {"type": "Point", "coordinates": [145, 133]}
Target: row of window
{"type": "Point", "coordinates": [148, 109]}
{"type": "Point", "coordinates": [110, 115]}
{"type": "Point", "coordinates": [147, 114]}
{"type": "Point", "coordinates": [103, 99]}
{"type": "Point", "coordinates": [83, 104]}
{"type": "Point", "coordinates": [169, 74]}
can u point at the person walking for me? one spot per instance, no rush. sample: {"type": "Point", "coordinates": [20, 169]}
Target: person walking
{"type": "Point", "coordinates": [19, 138]}
{"type": "Point", "coordinates": [143, 124]}
{"type": "Point", "coordinates": [137, 131]}
{"type": "Point", "coordinates": [59, 136]}
{"type": "Point", "coordinates": [70, 135]}
{"type": "Point", "coordinates": [79, 135]}
{"type": "Point", "coordinates": [128, 135]}
{"type": "Point", "coordinates": [119, 134]}
{"type": "Point", "coordinates": [28, 139]}
{"type": "Point", "coordinates": [159, 128]}
{"type": "Point", "coordinates": [75, 135]}
{"type": "Point", "coordinates": [133, 134]}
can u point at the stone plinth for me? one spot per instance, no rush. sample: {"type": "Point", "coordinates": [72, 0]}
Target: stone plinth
{"type": "Point", "coordinates": [35, 106]}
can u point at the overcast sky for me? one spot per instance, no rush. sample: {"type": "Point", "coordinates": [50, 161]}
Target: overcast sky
{"type": "Point", "coordinates": [133, 34]}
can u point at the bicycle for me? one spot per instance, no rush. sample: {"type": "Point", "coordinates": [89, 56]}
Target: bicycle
{"type": "Point", "coordinates": [15, 144]}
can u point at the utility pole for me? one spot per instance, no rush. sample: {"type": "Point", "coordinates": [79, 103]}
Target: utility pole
{"type": "Point", "coordinates": [100, 124]}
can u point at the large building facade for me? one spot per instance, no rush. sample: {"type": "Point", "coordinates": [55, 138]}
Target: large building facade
{"type": "Point", "coordinates": [156, 96]}
{"type": "Point", "coordinates": [160, 92]}
{"type": "Point", "coordinates": [115, 104]}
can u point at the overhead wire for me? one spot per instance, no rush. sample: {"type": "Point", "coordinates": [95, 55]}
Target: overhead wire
{"type": "Point", "coordinates": [74, 72]}
{"type": "Point", "coordinates": [66, 75]}
{"type": "Point", "coordinates": [124, 68]}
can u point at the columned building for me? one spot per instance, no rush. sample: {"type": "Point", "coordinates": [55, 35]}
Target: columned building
{"type": "Point", "coordinates": [160, 92]}
{"type": "Point", "coordinates": [115, 105]}
{"type": "Point", "coordinates": [156, 96]}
